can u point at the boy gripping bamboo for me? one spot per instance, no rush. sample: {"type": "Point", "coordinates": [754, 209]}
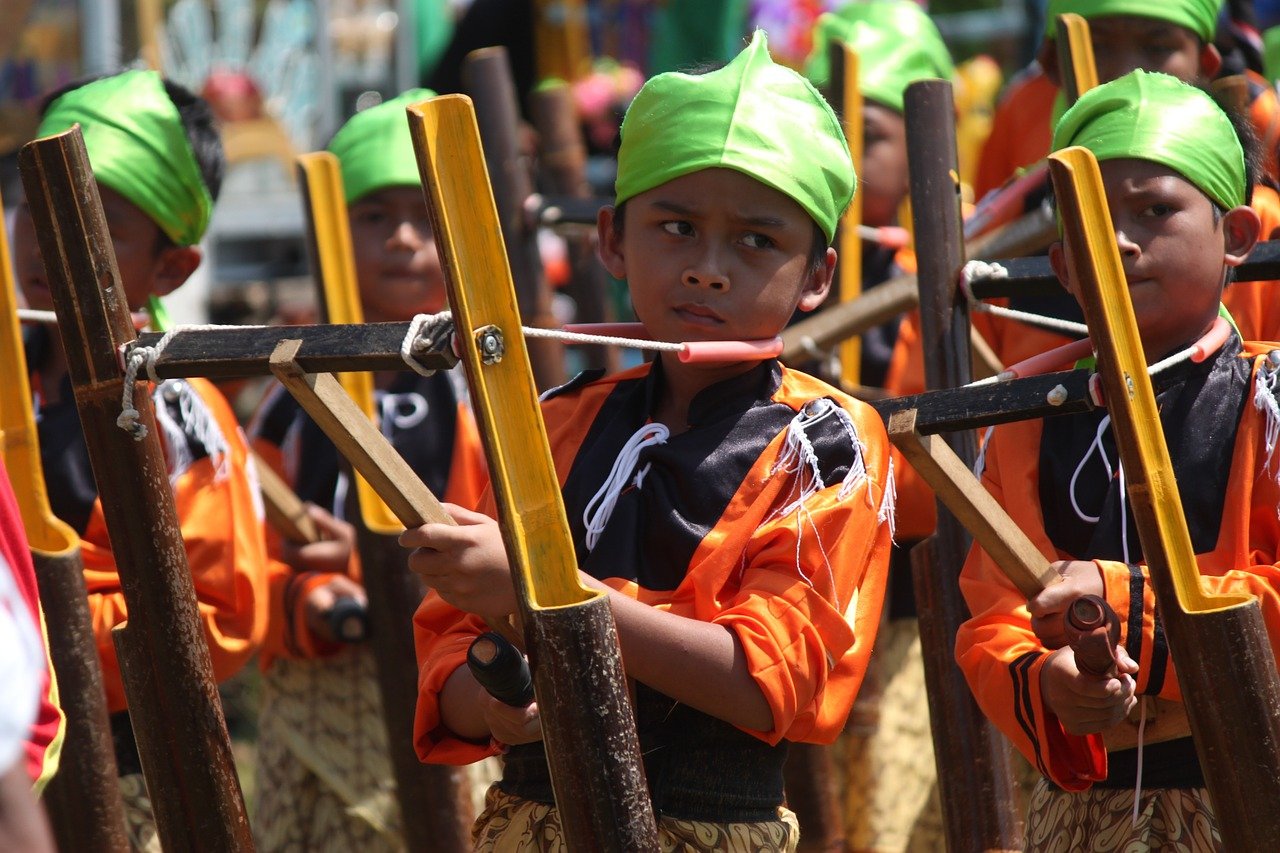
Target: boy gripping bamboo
{"type": "Point", "coordinates": [1175, 180]}
{"type": "Point", "coordinates": [744, 546]}
{"type": "Point", "coordinates": [158, 162]}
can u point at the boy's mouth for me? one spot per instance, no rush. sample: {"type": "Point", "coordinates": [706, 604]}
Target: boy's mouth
{"type": "Point", "coordinates": [698, 315]}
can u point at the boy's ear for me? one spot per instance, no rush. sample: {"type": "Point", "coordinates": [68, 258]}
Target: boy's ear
{"type": "Point", "coordinates": [1241, 229]}
{"type": "Point", "coordinates": [1210, 61]}
{"type": "Point", "coordinates": [609, 243]}
{"type": "Point", "coordinates": [1058, 260]}
{"type": "Point", "coordinates": [174, 265]}
{"type": "Point", "coordinates": [818, 282]}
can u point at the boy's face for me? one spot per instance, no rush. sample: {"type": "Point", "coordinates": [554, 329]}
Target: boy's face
{"type": "Point", "coordinates": [1174, 254]}
{"type": "Point", "coordinates": [884, 164]}
{"type": "Point", "coordinates": [396, 261]}
{"type": "Point", "coordinates": [715, 255]}
{"type": "Point", "coordinates": [1124, 43]}
{"type": "Point", "coordinates": [147, 261]}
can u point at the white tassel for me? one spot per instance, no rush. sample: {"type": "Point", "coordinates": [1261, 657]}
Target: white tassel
{"type": "Point", "coordinates": [1264, 400]}
{"type": "Point", "coordinates": [196, 422]}
{"type": "Point", "coordinates": [600, 508]}
{"type": "Point", "coordinates": [889, 503]}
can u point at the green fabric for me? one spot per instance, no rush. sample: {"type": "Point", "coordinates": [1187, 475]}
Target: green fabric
{"type": "Point", "coordinates": [137, 147]}
{"type": "Point", "coordinates": [1150, 116]}
{"type": "Point", "coordinates": [1271, 53]}
{"type": "Point", "coordinates": [435, 26]}
{"type": "Point", "coordinates": [896, 42]}
{"type": "Point", "coordinates": [758, 118]}
{"type": "Point", "coordinates": [685, 34]}
{"type": "Point", "coordinates": [374, 148]}
{"type": "Point", "coordinates": [1199, 16]}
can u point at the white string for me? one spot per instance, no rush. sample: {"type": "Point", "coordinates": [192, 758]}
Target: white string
{"type": "Point", "coordinates": [596, 515]}
{"type": "Point", "coordinates": [34, 315]}
{"type": "Point", "coordinates": [130, 418]}
{"type": "Point", "coordinates": [1106, 463]}
{"type": "Point", "coordinates": [1042, 320]}
{"type": "Point", "coordinates": [603, 340]}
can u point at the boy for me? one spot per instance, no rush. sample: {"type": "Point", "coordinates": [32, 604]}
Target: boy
{"type": "Point", "coordinates": [746, 565]}
{"type": "Point", "coordinates": [339, 797]}
{"type": "Point", "coordinates": [1174, 175]}
{"type": "Point", "coordinates": [158, 163]}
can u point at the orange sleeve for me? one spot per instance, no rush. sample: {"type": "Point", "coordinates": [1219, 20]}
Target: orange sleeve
{"type": "Point", "coordinates": [1253, 304]}
{"type": "Point", "coordinates": [441, 635]}
{"type": "Point", "coordinates": [221, 525]}
{"type": "Point", "coordinates": [1021, 131]}
{"type": "Point", "coordinates": [1000, 655]}
{"type": "Point", "coordinates": [468, 472]}
{"type": "Point", "coordinates": [809, 605]}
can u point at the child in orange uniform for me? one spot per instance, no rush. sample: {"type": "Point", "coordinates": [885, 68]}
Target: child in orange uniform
{"type": "Point", "coordinates": [336, 792]}
{"type": "Point", "coordinates": [158, 162]}
{"type": "Point", "coordinates": [1175, 180]}
{"type": "Point", "coordinates": [746, 562]}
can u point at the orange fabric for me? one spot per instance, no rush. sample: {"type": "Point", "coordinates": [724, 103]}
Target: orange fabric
{"type": "Point", "coordinates": [807, 643]}
{"type": "Point", "coordinates": [1254, 305]}
{"type": "Point", "coordinates": [1000, 655]}
{"type": "Point", "coordinates": [221, 527]}
{"type": "Point", "coordinates": [1264, 115]}
{"type": "Point", "coordinates": [1021, 131]}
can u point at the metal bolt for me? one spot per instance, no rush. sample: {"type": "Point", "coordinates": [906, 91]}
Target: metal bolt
{"type": "Point", "coordinates": [490, 344]}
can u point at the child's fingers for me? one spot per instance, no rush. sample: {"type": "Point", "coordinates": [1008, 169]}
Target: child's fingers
{"type": "Point", "coordinates": [464, 516]}
{"type": "Point", "coordinates": [437, 537]}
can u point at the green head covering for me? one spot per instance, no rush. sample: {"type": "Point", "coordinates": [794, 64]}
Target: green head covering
{"type": "Point", "coordinates": [374, 148]}
{"type": "Point", "coordinates": [753, 116]}
{"type": "Point", "coordinates": [138, 147]}
{"type": "Point", "coordinates": [896, 42]}
{"type": "Point", "coordinates": [1149, 116]}
{"type": "Point", "coordinates": [1199, 16]}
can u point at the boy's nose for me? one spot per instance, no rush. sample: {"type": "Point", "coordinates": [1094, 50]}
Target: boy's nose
{"type": "Point", "coordinates": [706, 272]}
{"type": "Point", "coordinates": [1127, 247]}
{"type": "Point", "coordinates": [407, 235]}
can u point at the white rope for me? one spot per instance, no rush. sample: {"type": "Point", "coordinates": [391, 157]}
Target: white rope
{"type": "Point", "coordinates": [1041, 320]}
{"type": "Point", "coordinates": [34, 315]}
{"type": "Point", "coordinates": [139, 357]}
{"type": "Point", "coordinates": [423, 326]}
{"type": "Point", "coordinates": [599, 509]}
{"type": "Point", "coordinates": [603, 340]}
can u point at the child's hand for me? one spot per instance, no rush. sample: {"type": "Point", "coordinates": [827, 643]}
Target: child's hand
{"type": "Point", "coordinates": [466, 564]}
{"type": "Point", "coordinates": [331, 555]}
{"type": "Point", "coordinates": [512, 726]}
{"type": "Point", "coordinates": [319, 601]}
{"type": "Point", "coordinates": [1048, 609]}
{"type": "Point", "coordinates": [1087, 703]}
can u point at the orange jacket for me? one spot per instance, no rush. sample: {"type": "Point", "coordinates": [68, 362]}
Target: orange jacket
{"type": "Point", "coordinates": [219, 513]}
{"type": "Point", "coordinates": [803, 595]}
{"type": "Point", "coordinates": [1001, 656]}
{"type": "Point", "coordinates": [1021, 130]}
{"type": "Point", "coordinates": [443, 447]}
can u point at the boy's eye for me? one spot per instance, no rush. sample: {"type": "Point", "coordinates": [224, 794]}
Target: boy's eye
{"type": "Point", "coordinates": [678, 227]}
{"type": "Point", "coordinates": [757, 241]}
{"type": "Point", "coordinates": [368, 216]}
{"type": "Point", "coordinates": [1158, 209]}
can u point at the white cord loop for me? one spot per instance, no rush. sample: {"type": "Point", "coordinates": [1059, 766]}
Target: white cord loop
{"type": "Point", "coordinates": [599, 509]}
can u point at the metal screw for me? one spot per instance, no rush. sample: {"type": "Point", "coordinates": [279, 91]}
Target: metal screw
{"type": "Point", "coordinates": [490, 344]}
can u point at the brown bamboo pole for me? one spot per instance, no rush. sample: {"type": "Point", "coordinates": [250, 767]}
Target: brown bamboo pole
{"type": "Point", "coordinates": [168, 678]}
{"type": "Point", "coordinates": [562, 156]}
{"type": "Point", "coordinates": [486, 77]}
{"type": "Point", "coordinates": [975, 779]}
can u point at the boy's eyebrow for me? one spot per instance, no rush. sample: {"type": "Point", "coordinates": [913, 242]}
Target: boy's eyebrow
{"type": "Point", "coordinates": [760, 221]}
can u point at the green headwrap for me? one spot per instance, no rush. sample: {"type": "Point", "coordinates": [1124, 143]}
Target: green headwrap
{"type": "Point", "coordinates": [374, 147]}
{"type": "Point", "coordinates": [753, 116]}
{"type": "Point", "coordinates": [1151, 116]}
{"type": "Point", "coordinates": [896, 42]}
{"type": "Point", "coordinates": [138, 147]}
{"type": "Point", "coordinates": [1199, 16]}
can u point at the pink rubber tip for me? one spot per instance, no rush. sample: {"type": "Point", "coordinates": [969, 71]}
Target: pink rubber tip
{"type": "Point", "coordinates": [706, 351]}
{"type": "Point", "coordinates": [1212, 341]}
{"type": "Point", "coordinates": [1046, 361]}
{"type": "Point", "coordinates": [893, 236]}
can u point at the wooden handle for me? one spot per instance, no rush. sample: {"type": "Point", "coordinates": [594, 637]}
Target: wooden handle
{"type": "Point", "coordinates": [285, 510]}
{"type": "Point", "coordinates": [975, 508]}
{"type": "Point", "coordinates": [357, 439]}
